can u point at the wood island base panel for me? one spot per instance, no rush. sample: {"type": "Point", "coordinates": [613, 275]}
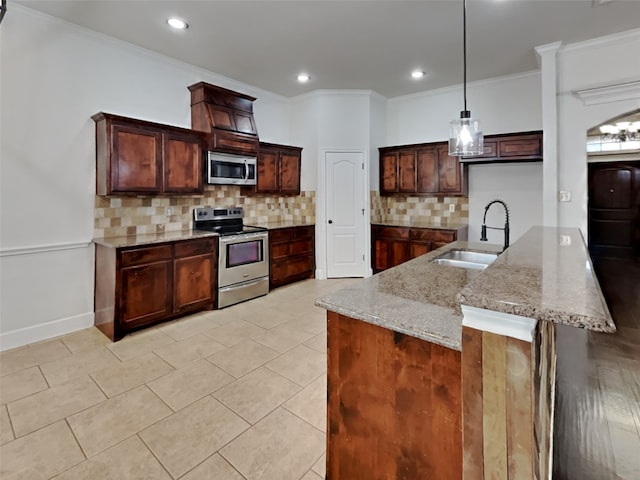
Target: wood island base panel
{"type": "Point", "coordinates": [394, 405]}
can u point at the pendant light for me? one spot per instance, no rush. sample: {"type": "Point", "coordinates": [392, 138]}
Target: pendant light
{"type": "Point", "coordinates": [465, 134]}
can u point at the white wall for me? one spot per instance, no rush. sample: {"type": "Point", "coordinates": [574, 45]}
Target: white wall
{"type": "Point", "coordinates": [54, 77]}
{"type": "Point", "coordinates": [601, 64]}
{"type": "Point", "coordinates": [503, 105]}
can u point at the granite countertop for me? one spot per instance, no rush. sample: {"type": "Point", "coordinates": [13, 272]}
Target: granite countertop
{"type": "Point", "coordinates": [547, 275]}
{"type": "Point", "coordinates": [417, 298]}
{"type": "Point", "coordinates": [442, 225]}
{"type": "Point", "coordinates": [536, 277]}
{"type": "Point", "coordinates": [285, 224]}
{"type": "Point", "coordinates": [151, 238]}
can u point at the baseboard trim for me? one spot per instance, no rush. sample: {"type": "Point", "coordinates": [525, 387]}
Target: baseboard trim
{"type": "Point", "coordinates": [320, 274]}
{"type": "Point", "coordinates": [44, 331]}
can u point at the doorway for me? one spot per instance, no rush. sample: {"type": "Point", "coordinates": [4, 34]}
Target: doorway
{"type": "Point", "coordinates": [614, 209]}
{"type": "Point", "coordinates": [345, 214]}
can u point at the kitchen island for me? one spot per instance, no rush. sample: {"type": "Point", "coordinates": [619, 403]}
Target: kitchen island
{"type": "Point", "coordinates": [436, 371]}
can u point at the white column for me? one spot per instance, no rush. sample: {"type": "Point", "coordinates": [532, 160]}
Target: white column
{"type": "Point", "coordinates": [547, 58]}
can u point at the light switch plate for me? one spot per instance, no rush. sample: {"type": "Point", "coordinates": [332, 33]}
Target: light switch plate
{"type": "Point", "coordinates": [565, 239]}
{"type": "Point", "coordinates": [452, 207]}
{"type": "Point", "coordinates": [565, 196]}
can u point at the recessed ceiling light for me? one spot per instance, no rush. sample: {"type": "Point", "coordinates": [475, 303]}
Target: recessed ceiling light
{"type": "Point", "coordinates": [417, 74]}
{"type": "Point", "coordinates": [304, 78]}
{"type": "Point", "coordinates": [177, 23]}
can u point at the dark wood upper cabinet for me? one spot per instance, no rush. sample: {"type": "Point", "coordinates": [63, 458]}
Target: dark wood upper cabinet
{"type": "Point", "coordinates": [137, 157]}
{"type": "Point", "coordinates": [424, 169]}
{"type": "Point", "coordinates": [279, 170]}
{"type": "Point", "coordinates": [510, 147]}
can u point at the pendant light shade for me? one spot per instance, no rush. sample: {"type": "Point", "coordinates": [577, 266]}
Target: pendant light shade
{"type": "Point", "coordinates": [465, 134]}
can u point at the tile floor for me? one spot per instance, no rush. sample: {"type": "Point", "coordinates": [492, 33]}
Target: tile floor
{"type": "Point", "coordinates": [233, 394]}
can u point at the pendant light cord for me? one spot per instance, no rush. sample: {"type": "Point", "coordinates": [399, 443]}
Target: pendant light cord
{"type": "Point", "coordinates": [464, 50]}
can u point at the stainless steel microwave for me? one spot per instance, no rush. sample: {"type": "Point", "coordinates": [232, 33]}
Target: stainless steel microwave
{"type": "Point", "coordinates": [228, 169]}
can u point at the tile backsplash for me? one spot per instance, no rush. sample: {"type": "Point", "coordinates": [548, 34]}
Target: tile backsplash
{"type": "Point", "coordinates": [119, 216]}
{"type": "Point", "coordinates": [407, 209]}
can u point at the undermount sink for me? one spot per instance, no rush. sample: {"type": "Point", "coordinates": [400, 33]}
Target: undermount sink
{"type": "Point", "coordinates": [466, 259]}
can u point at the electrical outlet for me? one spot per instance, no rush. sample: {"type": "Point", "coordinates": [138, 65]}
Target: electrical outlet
{"type": "Point", "coordinates": [168, 211]}
{"type": "Point", "coordinates": [452, 207]}
{"type": "Point", "coordinates": [565, 196]}
{"type": "Point", "coordinates": [565, 240]}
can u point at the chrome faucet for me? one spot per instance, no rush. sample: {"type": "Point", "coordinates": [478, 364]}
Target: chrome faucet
{"type": "Point", "coordinates": [483, 234]}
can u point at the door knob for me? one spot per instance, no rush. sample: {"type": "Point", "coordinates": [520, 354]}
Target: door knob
{"type": "Point", "coordinates": [330, 221]}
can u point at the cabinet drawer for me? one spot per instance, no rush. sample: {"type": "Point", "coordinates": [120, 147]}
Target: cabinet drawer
{"type": "Point", "coordinates": [235, 142]}
{"type": "Point", "coordinates": [303, 232]}
{"type": "Point", "coordinates": [194, 247]}
{"type": "Point", "coordinates": [391, 232]}
{"type": "Point", "coordinates": [432, 235]}
{"type": "Point", "coordinates": [145, 255]}
{"type": "Point", "coordinates": [521, 147]}
{"type": "Point", "coordinates": [291, 267]}
{"type": "Point", "coordinates": [281, 235]}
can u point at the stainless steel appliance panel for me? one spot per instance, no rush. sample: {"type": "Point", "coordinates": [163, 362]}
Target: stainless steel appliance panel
{"type": "Point", "coordinates": [242, 291]}
{"type": "Point", "coordinates": [242, 258]}
{"type": "Point", "coordinates": [225, 169]}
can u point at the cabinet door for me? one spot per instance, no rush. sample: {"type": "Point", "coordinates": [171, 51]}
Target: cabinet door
{"type": "Point", "coordinates": [381, 257]}
{"type": "Point", "coordinates": [183, 163]}
{"type": "Point", "coordinates": [244, 122]}
{"type": "Point", "coordinates": [267, 171]}
{"type": "Point", "coordinates": [407, 171]}
{"type": "Point", "coordinates": [399, 250]}
{"type": "Point", "coordinates": [289, 174]}
{"type": "Point", "coordinates": [427, 163]}
{"type": "Point", "coordinates": [136, 160]}
{"type": "Point", "coordinates": [146, 294]}
{"type": "Point", "coordinates": [389, 172]}
{"type": "Point", "coordinates": [419, 248]}
{"type": "Point", "coordinates": [449, 172]}
{"type": "Point", "coordinates": [222, 117]}
{"type": "Point", "coordinates": [193, 282]}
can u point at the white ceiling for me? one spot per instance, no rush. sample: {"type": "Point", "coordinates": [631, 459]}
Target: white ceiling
{"type": "Point", "coordinates": [360, 44]}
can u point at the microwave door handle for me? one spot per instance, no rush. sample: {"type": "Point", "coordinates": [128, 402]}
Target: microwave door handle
{"type": "Point", "coordinates": [246, 170]}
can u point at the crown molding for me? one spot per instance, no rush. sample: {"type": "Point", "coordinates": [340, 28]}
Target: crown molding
{"type": "Point", "coordinates": [609, 93]}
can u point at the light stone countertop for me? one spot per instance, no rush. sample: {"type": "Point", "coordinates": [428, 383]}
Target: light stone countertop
{"type": "Point", "coordinates": [547, 275]}
{"type": "Point", "coordinates": [284, 224]}
{"type": "Point", "coordinates": [416, 298]}
{"type": "Point", "coordinates": [536, 277]}
{"type": "Point", "coordinates": [152, 238]}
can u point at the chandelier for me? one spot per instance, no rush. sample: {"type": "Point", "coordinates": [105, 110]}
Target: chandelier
{"type": "Point", "coordinates": [620, 132]}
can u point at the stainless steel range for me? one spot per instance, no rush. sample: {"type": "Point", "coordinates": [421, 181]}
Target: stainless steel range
{"type": "Point", "coordinates": [243, 254]}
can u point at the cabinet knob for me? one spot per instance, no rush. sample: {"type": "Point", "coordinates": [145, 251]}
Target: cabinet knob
{"type": "Point", "coordinates": [330, 221]}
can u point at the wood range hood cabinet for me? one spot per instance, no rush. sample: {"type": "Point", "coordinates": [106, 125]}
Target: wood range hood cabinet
{"type": "Point", "coordinates": [227, 115]}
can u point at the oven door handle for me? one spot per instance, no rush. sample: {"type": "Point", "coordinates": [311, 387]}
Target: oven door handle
{"type": "Point", "coordinates": [243, 237]}
{"type": "Point", "coordinates": [244, 285]}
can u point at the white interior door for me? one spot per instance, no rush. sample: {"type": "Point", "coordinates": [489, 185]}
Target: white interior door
{"type": "Point", "coordinates": [345, 215]}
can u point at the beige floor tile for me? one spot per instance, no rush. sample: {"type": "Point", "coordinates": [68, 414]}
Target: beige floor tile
{"type": "Point", "coordinates": [83, 339]}
{"type": "Point", "coordinates": [301, 365]}
{"type": "Point", "coordinates": [6, 433]}
{"type": "Point", "coordinates": [280, 447]}
{"type": "Point", "coordinates": [269, 316]}
{"type": "Point", "coordinates": [12, 361]}
{"type": "Point", "coordinates": [234, 332]}
{"type": "Point", "coordinates": [242, 357]}
{"type": "Point", "coordinates": [319, 343]}
{"type": "Point", "coordinates": [309, 323]}
{"type": "Point", "coordinates": [110, 422]}
{"type": "Point", "coordinates": [21, 384]}
{"type": "Point", "coordinates": [184, 386]}
{"type": "Point", "coordinates": [26, 474]}
{"type": "Point", "coordinates": [320, 467]}
{"type": "Point", "coordinates": [78, 364]}
{"type": "Point", "coordinates": [191, 435]}
{"type": "Point", "coordinates": [53, 404]}
{"type": "Point", "coordinates": [189, 350]}
{"type": "Point", "coordinates": [128, 460]}
{"type": "Point", "coordinates": [213, 468]}
{"type": "Point", "coordinates": [48, 452]}
{"type": "Point", "coordinates": [311, 403]}
{"type": "Point", "coordinates": [283, 338]}
{"type": "Point", "coordinates": [256, 394]}
{"type": "Point", "coordinates": [311, 475]}
{"type": "Point", "coordinates": [131, 374]}
{"type": "Point", "coordinates": [139, 343]}
{"type": "Point", "coordinates": [189, 326]}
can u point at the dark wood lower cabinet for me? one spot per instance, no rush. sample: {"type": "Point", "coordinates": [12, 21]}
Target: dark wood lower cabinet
{"type": "Point", "coordinates": [292, 255]}
{"type": "Point", "coordinates": [392, 246]}
{"type": "Point", "coordinates": [394, 405]}
{"type": "Point", "coordinates": [140, 286]}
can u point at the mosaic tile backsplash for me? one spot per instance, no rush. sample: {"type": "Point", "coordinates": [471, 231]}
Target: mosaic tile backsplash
{"type": "Point", "coordinates": [401, 209]}
{"type": "Point", "coordinates": [119, 216]}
